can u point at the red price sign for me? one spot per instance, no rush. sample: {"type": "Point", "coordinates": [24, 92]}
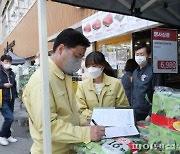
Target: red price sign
{"type": "Point", "coordinates": [167, 65]}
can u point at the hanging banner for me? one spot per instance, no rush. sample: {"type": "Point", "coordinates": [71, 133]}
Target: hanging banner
{"type": "Point", "coordinates": [103, 25]}
{"type": "Point", "coordinates": [165, 52]}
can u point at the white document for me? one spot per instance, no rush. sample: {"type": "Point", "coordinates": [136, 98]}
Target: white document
{"type": "Point", "coordinates": [120, 131]}
{"type": "Point", "coordinates": [113, 117]}
{"type": "Point", "coordinates": [118, 122]}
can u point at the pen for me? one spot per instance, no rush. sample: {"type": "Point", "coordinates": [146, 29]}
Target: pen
{"type": "Point", "coordinates": [94, 122]}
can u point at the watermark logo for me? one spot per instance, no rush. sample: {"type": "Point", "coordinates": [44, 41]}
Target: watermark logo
{"type": "Point", "coordinates": [158, 146]}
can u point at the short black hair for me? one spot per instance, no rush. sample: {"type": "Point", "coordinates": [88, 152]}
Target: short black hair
{"type": "Point", "coordinates": [70, 38]}
{"type": "Point", "coordinates": [143, 45]}
{"type": "Point", "coordinates": [6, 57]}
{"type": "Point", "coordinates": [131, 65]}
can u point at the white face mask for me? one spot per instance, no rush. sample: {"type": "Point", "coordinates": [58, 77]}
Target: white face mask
{"type": "Point", "coordinates": [140, 60]}
{"type": "Point", "coordinates": [94, 72]}
{"type": "Point", "coordinates": [37, 63]}
{"type": "Point", "coordinates": [6, 66]}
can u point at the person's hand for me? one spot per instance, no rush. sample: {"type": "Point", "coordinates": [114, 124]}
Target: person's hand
{"type": "Point", "coordinates": [97, 132]}
{"type": "Point", "coordinates": [86, 124]}
{"type": "Point", "coordinates": [8, 85]}
{"type": "Point", "coordinates": [148, 118]}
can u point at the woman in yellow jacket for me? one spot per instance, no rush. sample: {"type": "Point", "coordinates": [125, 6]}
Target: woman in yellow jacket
{"type": "Point", "coordinates": [102, 89]}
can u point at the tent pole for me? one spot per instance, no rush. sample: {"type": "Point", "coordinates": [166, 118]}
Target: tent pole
{"type": "Point", "coordinates": [148, 4]}
{"type": "Point", "coordinates": [126, 4]}
{"type": "Point", "coordinates": [43, 47]}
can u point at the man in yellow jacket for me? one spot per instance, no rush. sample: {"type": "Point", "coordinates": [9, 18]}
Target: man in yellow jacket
{"type": "Point", "coordinates": [67, 126]}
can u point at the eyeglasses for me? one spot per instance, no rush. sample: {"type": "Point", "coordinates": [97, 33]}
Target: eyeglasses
{"type": "Point", "coordinates": [75, 54]}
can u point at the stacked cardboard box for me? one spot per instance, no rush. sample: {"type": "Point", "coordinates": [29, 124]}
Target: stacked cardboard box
{"type": "Point", "coordinates": [121, 145]}
{"type": "Point", "coordinates": [106, 146]}
{"type": "Point", "coordinates": [164, 132]}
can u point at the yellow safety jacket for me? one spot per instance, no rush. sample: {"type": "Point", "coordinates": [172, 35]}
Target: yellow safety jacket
{"type": "Point", "coordinates": [112, 95]}
{"type": "Point", "coordinates": [65, 120]}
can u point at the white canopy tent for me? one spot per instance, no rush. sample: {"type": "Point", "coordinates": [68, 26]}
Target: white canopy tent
{"type": "Point", "coordinates": [163, 11]}
{"type": "Point", "coordinates": [43, 48]}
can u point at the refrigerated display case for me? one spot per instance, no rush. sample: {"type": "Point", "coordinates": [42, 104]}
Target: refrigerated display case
{"type": "Point", "coordinates": [117, 55]}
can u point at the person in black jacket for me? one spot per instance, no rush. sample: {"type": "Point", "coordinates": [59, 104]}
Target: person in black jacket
{"type": "Point", "coordinates": [130, 66]}
{"type": "Point", "coordinates": [8, 86]}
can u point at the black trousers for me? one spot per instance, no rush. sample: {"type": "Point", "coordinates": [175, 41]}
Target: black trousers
{"type": "Point", "coordinates": [140, 116]}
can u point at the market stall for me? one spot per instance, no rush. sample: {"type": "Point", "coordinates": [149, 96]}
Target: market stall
{"type": "Point", "coordinates": [159, 11]}
{"type": "Point", "coordinates": [161, 136]}
{"type": "Point", "coordinates": [22, 77]}
{"type": "Point", "coordinates": [120, 145]}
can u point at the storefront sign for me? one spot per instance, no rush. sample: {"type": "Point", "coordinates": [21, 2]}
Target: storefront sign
{"type": "Point", "coordinates": [165, 55]}
{"type": "Point", "coordinates": [103, 25]}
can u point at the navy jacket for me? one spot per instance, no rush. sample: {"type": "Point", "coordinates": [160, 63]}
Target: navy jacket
{"type": "Point", "coordinates": [8, 94]}
{"type": "Point", "coordinates": [126, 81]}
{"type": "Point", "coordinates": [143, 89]}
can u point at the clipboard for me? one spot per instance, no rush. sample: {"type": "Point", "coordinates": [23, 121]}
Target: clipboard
{"type": "Point", "coordinates": [134, 112]}
{"type": "Point", "coordinates": [118, 122]}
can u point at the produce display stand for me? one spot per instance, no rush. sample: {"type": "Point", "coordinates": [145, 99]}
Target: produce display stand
{"type": "Point", "coordinates": [119, 145]}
